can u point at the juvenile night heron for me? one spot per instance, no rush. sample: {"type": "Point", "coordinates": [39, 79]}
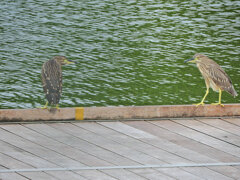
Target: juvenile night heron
{"type": "Point", "coordinates": [52, 79]}
{"type": "Point", "coordinates": [214, 76]}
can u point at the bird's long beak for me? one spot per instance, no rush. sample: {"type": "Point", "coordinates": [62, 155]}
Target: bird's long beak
{"type": "Point", "coordinates": [69, 61]}
{"type": "Point", "coordinates": [190, 60]}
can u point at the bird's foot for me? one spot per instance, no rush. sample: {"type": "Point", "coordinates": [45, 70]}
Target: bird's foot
{"type": "Point", "coordinates": [54, 109]}
{"type": "Point", "coordinates": [218, 104]}
{"type": "Point", "coordinates": [57, 107]}
{"type": "Point", "coordinates": [199, 104]}
{"type": "Point", "coordinates": [51, 108]}
{"type": "Point", "coordinates": [43, 107]}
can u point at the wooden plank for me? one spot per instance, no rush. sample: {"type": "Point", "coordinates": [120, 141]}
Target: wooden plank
{"type": "Point", "coordinates": [152, 174]}
{"type": "Point", "coordinates": [154, 128]}
{"type": "Point", "coordinates": [66, 175]}
{"type": "Point", "coordinates": [24, 156]}
{"type": "Point", "coordinates": [164, 144]}
{"type": "Point", "coordinates": [37, 150]}
{"type": "Point", "coordinates": [56, 146]}
{"type": "Point", "coordinates": [85, 146]}
{"type": "Point", "coordinates": [95, 174]}
{"type": "Point", "coordinates": [36, 114]}
{"type": "Point", "coordinates": [235, 121]}
{"type": "Point", "coordinates": [132, 143]}
{"type": "Point", "coordinates": [178, 173]}
{"type": "Point", "coordinates": [223, 125]}
{"type": "Point", "coordinates": [201, 148]}
{"type": "Point", "coordinates": [117, 148]}
{"type": "Point", "coordinates": [128, 141]}
{"type": "Point", "coordinates": [206, 173]}
{"type": "Point", "coordinates": [186, 131]}
{"type": "Point", "coordinates": [164, 111]}
{"type": "Point", "coordinates": [229, 171]}
{"type": "Point", "coordinates": [12, 163]}
{"type": "Point", "coordinates": [237, 167]}
{"type": "Point", "coordinates": [122, 174]}
{"type": "Point", "coordinates": [37, 175]}
{"type": "Point", "coordinates": [218, 140]}
{"type": "Point", "coordinates": [12, 176]}
{"type": "Point", "coordinates": [133, 132]}
{"type": "Point", "coordinates": [2, 167]}
{"type": "Point", "coordinates": [212, 131]}
{"type": "Point", "coordinates": [126, 112]}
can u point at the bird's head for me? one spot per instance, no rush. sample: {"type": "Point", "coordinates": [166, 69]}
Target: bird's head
{"type": "Point", "coordinates": [196, 58]}
{"type": "Point", "coordinates": [62, 60]}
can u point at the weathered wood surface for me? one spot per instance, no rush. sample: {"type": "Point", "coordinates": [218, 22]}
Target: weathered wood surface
{"type": "Point", "coordinates": [119, 113]}
{"type": "Point", "coordinates": [36, 151]}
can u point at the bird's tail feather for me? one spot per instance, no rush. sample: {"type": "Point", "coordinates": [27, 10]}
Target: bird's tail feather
{"type": "Point", "coordinates": [232, 91]}
{"type": "Point", "coordinates": [235, 94]}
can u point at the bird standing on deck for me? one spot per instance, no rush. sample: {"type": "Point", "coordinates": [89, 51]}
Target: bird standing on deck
{"type": "Point", "coordinates": [214, 76]}
{"type": "Point", "coordinates": [52, 79]}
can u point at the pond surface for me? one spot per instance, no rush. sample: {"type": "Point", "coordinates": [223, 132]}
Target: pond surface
{"type": "Point", "coordinates": [128, 52]}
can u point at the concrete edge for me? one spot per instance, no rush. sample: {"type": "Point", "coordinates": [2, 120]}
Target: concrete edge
{"type": "Point", "coordinates": [119, 113]}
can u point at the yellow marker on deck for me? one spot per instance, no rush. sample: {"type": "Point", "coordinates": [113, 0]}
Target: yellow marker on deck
{"type": "Point", "coordinates": [79, 113]}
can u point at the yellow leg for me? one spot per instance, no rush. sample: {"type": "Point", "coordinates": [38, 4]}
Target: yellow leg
{"type": "Point", "coordinates": [202, 102]}
{"type": "Point", "coordinates": [219, 100]}
{"type": "Point", "coordinates": [57, 107]}
{"type": "Point", "coordinates": [44, 107]}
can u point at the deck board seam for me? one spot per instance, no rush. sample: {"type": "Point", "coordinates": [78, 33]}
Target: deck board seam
{"type": "Point", "coordinates": [68, 145]}
{"type": "Point", "coordinates": [45, 147]}
{"type": "Point", "coordinates": [154, 145]}
{"type": "Point", "coordinates": [126, 145]}
{"type": "Point", "coordinates": [219, 128]}
{"type": "Point", "coordinates": [29, 152]}
{"type": "Point", "coordinates": [225, 119]}
{"type": "Point", "coordinates": [99, 146]}
{"type": "Point", "coordinates": [208, 135]}
{"type": "Point", "coordinates": [194, 140]}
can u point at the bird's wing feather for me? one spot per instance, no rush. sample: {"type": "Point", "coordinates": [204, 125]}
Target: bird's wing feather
{"type": "Point", "coordinates": [220, 78]}
{"type": "Point", "coordinates": [52, 80]}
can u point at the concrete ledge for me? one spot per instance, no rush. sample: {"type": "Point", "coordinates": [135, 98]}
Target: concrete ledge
{"type": "Point", "coordinates": [117, 113]}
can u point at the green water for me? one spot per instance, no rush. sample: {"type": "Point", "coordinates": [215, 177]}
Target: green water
{"type": "Point", "coordinates": [128, 52]}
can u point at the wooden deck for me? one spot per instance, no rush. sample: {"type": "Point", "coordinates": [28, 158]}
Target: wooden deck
{"type": "Point", "coordinates": [125, 150]}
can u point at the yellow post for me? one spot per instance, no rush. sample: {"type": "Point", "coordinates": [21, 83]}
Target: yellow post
{"type": "Point", "coordinates": [79, 113]}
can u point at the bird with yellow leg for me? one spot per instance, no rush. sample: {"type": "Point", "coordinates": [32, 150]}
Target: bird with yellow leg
{"type": "Point", "coordinates": [214, 76]}
{"type": "Point", "coordinates": [52, 80]}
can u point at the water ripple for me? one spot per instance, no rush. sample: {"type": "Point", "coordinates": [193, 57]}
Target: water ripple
{"type": "Point", "coordinates": [128, 53]}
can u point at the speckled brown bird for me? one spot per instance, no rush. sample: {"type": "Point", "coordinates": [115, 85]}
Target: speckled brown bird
{"type": "Point", "coordinates": [214, 77]}
{"type": "Point", "coordinates": [52, 79]}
